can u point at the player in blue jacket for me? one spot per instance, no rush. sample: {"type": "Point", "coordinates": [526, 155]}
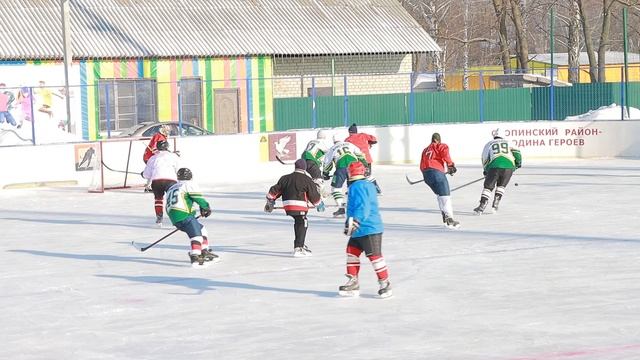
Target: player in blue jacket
{"type": "Point", "coordinates": [364, 228]}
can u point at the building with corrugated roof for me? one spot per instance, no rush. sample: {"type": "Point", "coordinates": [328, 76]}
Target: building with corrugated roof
{"type": "Point", "coordinates": [614, 66]}
{"type": "Point", "coordinates": [218, 64]}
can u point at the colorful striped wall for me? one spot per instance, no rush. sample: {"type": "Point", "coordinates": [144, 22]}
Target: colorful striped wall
{"type": "Point", "coordinates": [251, 75]}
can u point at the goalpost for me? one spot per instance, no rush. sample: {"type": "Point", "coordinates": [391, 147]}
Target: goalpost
{"type": "Point", "coordinates": [119, 164]}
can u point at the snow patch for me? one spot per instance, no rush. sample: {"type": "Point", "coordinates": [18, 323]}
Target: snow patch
{"type": "Point", "coordinates": [611, 112]}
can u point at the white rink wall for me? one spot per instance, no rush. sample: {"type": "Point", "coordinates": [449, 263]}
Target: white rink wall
{"type": "Point", "coordinates": [240, 158]}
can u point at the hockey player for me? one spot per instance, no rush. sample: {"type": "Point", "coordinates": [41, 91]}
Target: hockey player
{"type": "Point", "coordinates": [297, 191]}
{"type": "Point", "coordinates": [432, 165]}
{"type": "Point", "coordinates": [152, 148]}
{"type": "Point", "coordinates": [314, 153]}
{"type": "Point", "coordinates": [179, 205]}
{"type": "Point", "coordinates": [499, 161]}
{"type": "Point", "coordinates": [364, 142]}
{"type": "Point", "coordinates": [340, 155]}
{"type": "Point", "coordinates": [161, 171]}
{"type": "Point", "coordinates": [364, 228]}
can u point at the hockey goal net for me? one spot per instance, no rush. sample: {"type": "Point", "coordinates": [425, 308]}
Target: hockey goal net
{"type": "Point", "coordinates": [119, 164]}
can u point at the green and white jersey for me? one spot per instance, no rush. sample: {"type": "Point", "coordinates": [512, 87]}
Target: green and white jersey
{"type": "Point", "coordinates": [498, 153]}
{"type": "Point", "coordinates": [315, 151]}
{"type": "Point", "coordinates": [179, 201]}
{"type": "Point", "coordinates": [342, 154]}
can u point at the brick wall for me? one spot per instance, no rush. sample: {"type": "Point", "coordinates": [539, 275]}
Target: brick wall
{"type": "Point", "coordinates": [365, 74]}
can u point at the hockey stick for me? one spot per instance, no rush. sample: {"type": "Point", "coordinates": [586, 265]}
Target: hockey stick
{"type": "Point", "coordinates": [467, 184]}
{"type": "Point", "coordinates": [133, 243]}
{"type": "Point", "coordinates": [120, 171]}
{"type": "Point", "coordinates": [410, 181]}
{"type": "Point", "coordinates": [310, 206]}
{"type": "Point", "coordinates": [454, 189]}
{"type": "Point", "coordinates": [281, 161]}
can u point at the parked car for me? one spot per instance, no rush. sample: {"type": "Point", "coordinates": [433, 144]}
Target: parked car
{"type": "Point", "coordinates": [148, 128]}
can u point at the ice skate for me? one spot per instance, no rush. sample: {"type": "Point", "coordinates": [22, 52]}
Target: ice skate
{"type": "Point", "coordinates": [496, 203]}
{"type": "Point", "coordinates": [159, 221]}
{"type": "Point", "coordinates": [198, 260]}
{"type": "Point", "coordinates": [480, 209]}
{"type": "Point", "coordinates": [306, 249]}
{"type": "Point", "coordinates": [351, 288]}
{"type": "Point", "coordinates": [302, 252]}
{"type": "Point", "coordinates": [147, 188]}
{"type": "Point", "coordinates": [451, 223]}
{"type": "Point", "coordinates": [385, 289]}
{"type": "Point", "coordinates": [210, 256]}
{"type": "Point", "coordinates": [340, 212]}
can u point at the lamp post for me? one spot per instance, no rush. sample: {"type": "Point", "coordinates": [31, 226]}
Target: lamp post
{"type": "Point", "coordinates": [67, 59]}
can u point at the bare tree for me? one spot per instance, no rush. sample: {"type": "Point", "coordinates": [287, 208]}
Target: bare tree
{"type": "Point", "coordinates": [501, 15]}
{"type": "Point", "coordinates": [430, 14]}
{"type": "Point", "coordinates": [522, 45]}
{"type": "Point", "coordinates": [569, 16]}
{"type": "Point", "coordinates": [605, 35]}
{"type": "Point", "coordinates": [597, 66]}
{"type": "Point", "coordinates": [480, 32]}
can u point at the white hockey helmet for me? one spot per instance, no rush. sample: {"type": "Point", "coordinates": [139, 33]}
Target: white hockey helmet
{"type": "Point", "coordinates": [322, 134]}
{"type": "Point", "coordinates": [497, 133]}
{"type": "Point", "coordinates": [165, 130]}
{"type": "Point", "coordinates": [337, 138]}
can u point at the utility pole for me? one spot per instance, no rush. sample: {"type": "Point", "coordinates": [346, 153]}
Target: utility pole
{"type": "Point", "coordinates": [67, 59]}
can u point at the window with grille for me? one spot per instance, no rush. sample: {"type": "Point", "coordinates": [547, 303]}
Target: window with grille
{"type": "Point", "coordinates": [191, 101]}
{"type": "Point", "coordinates": [126, 102]}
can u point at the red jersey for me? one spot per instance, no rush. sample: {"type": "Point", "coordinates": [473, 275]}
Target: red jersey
{"type": "Point", "coordinates": [363, 142]}
{"type": "Point", "coordinates": [435, 156]}
{"type": "Point", "coordinates": [151, 148]}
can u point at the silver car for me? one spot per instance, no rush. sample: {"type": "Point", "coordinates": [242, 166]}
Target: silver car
{"type": "Point", "coordinates": [149, 128]}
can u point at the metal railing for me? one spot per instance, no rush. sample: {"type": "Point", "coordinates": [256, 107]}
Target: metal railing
{"type": "Point", "coordinates": [36, 115]}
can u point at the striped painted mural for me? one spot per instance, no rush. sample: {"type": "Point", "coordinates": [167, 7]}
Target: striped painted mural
{"type": "Point", "coordinates": [251, 75]}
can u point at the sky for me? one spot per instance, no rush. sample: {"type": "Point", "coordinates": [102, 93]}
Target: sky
{"type": "Point", "coordinates": [554, 274]}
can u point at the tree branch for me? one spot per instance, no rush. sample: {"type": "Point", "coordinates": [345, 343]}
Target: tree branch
{"type": "Point", "coordinates": [469, 41]}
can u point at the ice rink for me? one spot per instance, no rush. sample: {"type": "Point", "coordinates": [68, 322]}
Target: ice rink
{"type": "Point", "coordinates": [555, 274]}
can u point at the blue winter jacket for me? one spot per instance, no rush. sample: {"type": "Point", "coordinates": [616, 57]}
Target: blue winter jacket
{"type": "Point", "coordinates": [362, 205]}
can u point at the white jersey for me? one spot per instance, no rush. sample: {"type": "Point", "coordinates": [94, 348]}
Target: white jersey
{"type": "Point", "coordinates": [315, 150]}
{"type": "Point", "coordinates": [316, 145]}
{"type": "Point", "coordinates": [179, 200]}
{"type": "Point", "coordinates": [163, 165]}
{"type": "Point", "coordinates": [499, 151]}
{"type": "Point", "coordinates": [340, 150]}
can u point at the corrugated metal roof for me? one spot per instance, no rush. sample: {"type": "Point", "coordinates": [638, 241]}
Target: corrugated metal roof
{"type": "Point", "coordinates": [31, 29]}
{"type": "Point", "coordinates": [562, 59]}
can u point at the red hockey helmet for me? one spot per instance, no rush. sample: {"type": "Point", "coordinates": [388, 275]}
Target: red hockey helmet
{"type": "Point", "coordinates": [356, 170]}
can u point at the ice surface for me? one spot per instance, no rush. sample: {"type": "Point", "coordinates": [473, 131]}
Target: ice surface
{"type": "Point", "coordinates": [555, 274]}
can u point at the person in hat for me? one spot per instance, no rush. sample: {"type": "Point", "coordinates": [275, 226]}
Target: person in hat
{"type": "Point", "coordinates": [297, 191]}
{"type": "Point", "coordinates": [364, 142]}
{"type": "Point", "coordinates": [435, 163]}
{"type": "Point", "coordinates": [364, 228]}
{"type": "Point", "coordinates": [499, 160]}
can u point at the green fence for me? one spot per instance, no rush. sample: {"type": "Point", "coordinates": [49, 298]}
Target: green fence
{"type": "Point", "coordinates": [521, 104]}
